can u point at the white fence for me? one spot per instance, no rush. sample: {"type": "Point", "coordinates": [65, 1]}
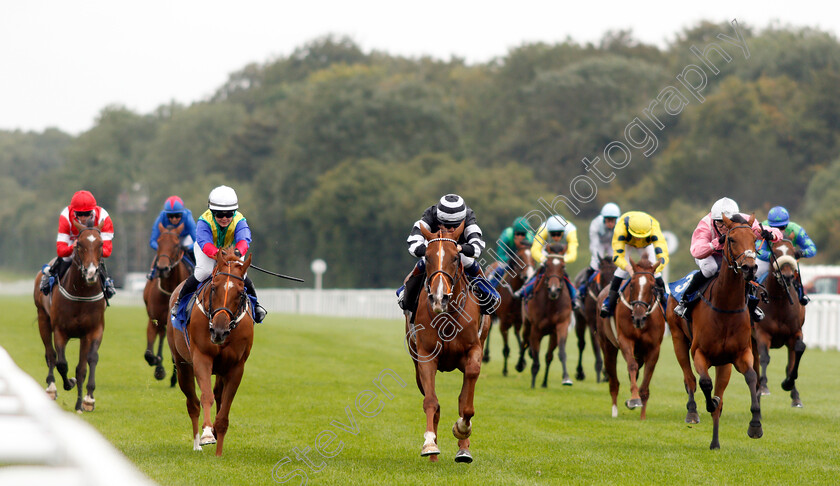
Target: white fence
{"type": "Point", "coordinates": [822, 322]}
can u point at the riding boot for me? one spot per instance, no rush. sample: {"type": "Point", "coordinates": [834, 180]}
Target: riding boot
{"type": "Point", "coordinates": [259, 311]}
{"type": "Point", "coordinates": [803, 299]}
{"type": "Point", "coordinates": [106, 281]}
{"type": "Point", "coordinates": [190, 284]}
{"type": "Point", "coordinates": [572, 291]}
{"type": "Point", "coordinates": [488, 297]}
{"type": "Point", "coordinates": [697, 281]}
{"type": "Point", "coordinates": [527, 289]}
{"type": "Point", "coordinates": [152, 273]}
{"type": "Point", "coordinates": [409, 292]}
{"type": "Point", "coordinates": [48, 277]}
{"type": "Point", "coordinates": [752, 302]}
{"type": "Point", "coordinates": [581, 295]}
{"type": "Point", "coordinates": [663, 294]}
{"type": "Point", "coordinates": [189, 256]}
{"type": "Point", "coordinates": [608, 307]}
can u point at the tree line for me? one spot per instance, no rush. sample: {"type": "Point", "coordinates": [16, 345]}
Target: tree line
{"type": "Point", "coordinates": [335, 152]}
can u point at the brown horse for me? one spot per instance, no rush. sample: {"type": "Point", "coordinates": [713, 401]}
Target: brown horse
{"type": "Point", "coordinates": [217, 342]}
{"type": "Point", "coordinates": [549, 312]}
{"type": "Point", "coordinates": [782, 324]}
{"type": "Point", "coordinates": [585, 317]}
{"type": "Point", "coordinates": [75, 309]}
{"type": "Point", "coordinates": [170, 270]}
{"type": "Point", "coordinates": [636, 329]}
{"type": "Point", "coordinates": [720, 335]}
{"type": "Point", "coordinates": [447, 334]}
{"type": "Point", "coordinates": [509, 311]}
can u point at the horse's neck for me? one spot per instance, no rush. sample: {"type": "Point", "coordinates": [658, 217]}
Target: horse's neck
{"type": "Point", "coordinates": [176, 276]}
{"type": "Point", "coordinates": [730, 288]}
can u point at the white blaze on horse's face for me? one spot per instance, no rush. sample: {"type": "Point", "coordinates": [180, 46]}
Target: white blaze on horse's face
{"type": "Point", "coordinates": [642, 283]}
{"type": "Point", "coordinates": [228, 285]}
{"type": "Point", "coordinates": [91, 238]}
{"type": "Point", "coordinates": [90, 273]}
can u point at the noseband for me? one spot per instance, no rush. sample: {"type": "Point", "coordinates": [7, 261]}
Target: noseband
{"type": "Point", "coordinates": [235, 317]}
{"type": "Point", "coordinates": [735, 263]}
{"type": "Point", "coordinates": [452, 279]}
{"type": "Point", "coordinates": [77, 259]}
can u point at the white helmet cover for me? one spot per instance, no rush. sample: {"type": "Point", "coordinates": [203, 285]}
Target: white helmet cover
{"type": "Point", "coordinates": [723, 206]}
{"type": "Point", "coordinates": [223, 198]}
{"type": "Point", "coordinates": [610, 210]}
{"type": "Point", "coordinates": [555, 223]}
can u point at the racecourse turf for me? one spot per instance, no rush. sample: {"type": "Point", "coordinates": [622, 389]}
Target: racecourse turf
{"type": "Point", "coordinates": [306, 380]}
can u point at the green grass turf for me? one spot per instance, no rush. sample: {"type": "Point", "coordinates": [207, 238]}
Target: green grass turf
{"type": "Point", "coordinates": [304, 372]}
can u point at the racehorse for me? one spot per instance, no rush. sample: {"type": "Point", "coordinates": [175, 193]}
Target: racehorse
{"type": "Point", "coordinates": [782, 324]}
{"type": "Point", "coordinates": [75, 309]}
{"type": "Point", "coordinates": [636, 329]}
{"type": "Point", "coordinates": [585, 317]}
{"type": "Point", "coordinates": [217, 342]}
{"type": "Point", "coordinates": [720, 333]}
{"type": "Point", "coordinates": [549, 312]}
{"type": "Point", "coordinates": [509, 311]}
{"type": "Point", "coordinates": [170, 270]}
{"type": "Point", "coordinates": [447, 334]}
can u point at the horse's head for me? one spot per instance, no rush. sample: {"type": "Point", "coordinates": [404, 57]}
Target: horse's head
{"type": "Point", "coordinates": [607, 267]}
{"type": "Point", "coordinates": [555, 269]}
{"type": "Point", "coordinates": [87, 252]}
{"type": "Point", "coordinates": [640, 293]}
{"type": "Point", "coordinates": [169, 251]}
{"type": "Point", "coordinates": [739, 247]}
{"type": "Point", "coordinates": [785, 267]}
{"type": "Point", "coordinates": [228, 300]}
{"type": "Point", "coordinates": [523, 252]}
{"type": "Point", "coordinates": [443, 263]}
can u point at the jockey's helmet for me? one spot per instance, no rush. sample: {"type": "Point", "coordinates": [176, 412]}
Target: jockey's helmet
{"type": "Point", "coordinates": [223, 198]}
{"type": "Point", "coordinates": [778, 217]}
{"type": "Point", "coordinates": [82, 201]}
{"type": "Point", "coordinates": [610, 210]}
{"type": "Point", "coordinates": [520, 225]}
{"type": "Point", "coordinates": [640, 225]}
{"type": "Point", "coordinates": [724, 206]}
{"type": "Point", "coordinates": [451, 210]}
{"type": "Point", "coordinates": [555, 224]}
{"type": "Point", "coordinates": [173, 206]}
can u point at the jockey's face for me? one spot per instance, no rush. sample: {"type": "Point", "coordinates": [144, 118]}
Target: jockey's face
{"type": "Point", "coordinates": [174, 218]}
{"type": "Point", "coordinates": [556, 235]}
{"type": "Point", "coordinates": [518, 237]}
{"type": "Point", "coordinates": [84, 216]}
{"type": "Point", "coordinates": [223, 217]}
{"type": "Point", "coordinates": [721, 227]}
{"type": "Point", "coordinates": [610, 222]}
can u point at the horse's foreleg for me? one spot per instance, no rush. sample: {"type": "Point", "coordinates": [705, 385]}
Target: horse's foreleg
{"type": "Point", "coordinates": [61, 359]}
{"type": "Point", "coordinates": [534, 351]}
{"type": "Point", "coordinates": [202, 367]}
{"type": "Point", "coordinates": [562, 334]}
{"type": "Point", "coordinates": [610, 366]}
{"type": "Point", "coordinates": [522, 344]}
{"type": "Point", "coordinates": [45, 329]}
{"type": "Point", "coordinates": [722, 374]}
{"type": "Point", "coordinates": [650, 361]}
{"type": "Point", "coordinates": [744, 365]}
{"type": "Point", "coordinates": [580, 332]}
{"type": "Point", "coordinates": [486, 357]}
{"type": "Point", "coordinates": [795, 353]}
{"type": "Point", "coordinates": [701, 365]}
{"type": "Point", "coordinates": [426, 374]}
{"type": "Point", "coordinates": [549, 356]}
{"type": "Point", "coordinates": [224, 394]}
{"type": "Point", "coordinates": [681, 350]}
{"type": "Point", "coordinates": [764, 360]}
{"type": "Point", "coordinates": [151, 334]}
{"type": "Point", "coordinates": [88, 403]}
{"type": "Point", "coordinates": [466, 410]}
{"type": "Point", "coordinates": [596, 348]}
{"type": "Point", "coordinates": [503, 330]}
{"type": "Point", "coordinates": [627, 351]}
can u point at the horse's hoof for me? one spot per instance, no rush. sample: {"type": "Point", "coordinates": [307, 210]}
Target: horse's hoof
{"type": "Point", "coordinates": [160, 373]}
{"type": "Point", "coordinates": [692, 418]}
{"type": "Point", "coordinates": [504, 372]}
{"type": "Point", "coordinates": [430, 450]}
{"type": "Point", "coordinates": [207, 437]}
{"type": "Point", "coordinates": [150, 357]}
{"type": "Point", "coordinates": [464, 456]}
{"type": "Point", "coordinates": [567, 382]}
{"type": "Point", "coordinates": [579, 376]}
{"type": "Point", "coordinates": [787, 385]}
{"type": "Point", "coordinates": [520, 367]}
{"type": "Point", "coordinates": [763, 390]}
{"type": "Point", "coordinates": [633, 403]}
{"type": "Point", "coordinates": [796, 403]}
{"type": "Point", "coordinates": [713, 404]}
{"type": "Point", "coordinates": [70, 384]}
{"type": "Point", "coordinates": [714, 445]}
{"type": "Point", "coordinates": [52, 392]}
{"type": "Point", "coordinates": [88, 403]}
{"type": "Point", "coordinates": [755, 431]}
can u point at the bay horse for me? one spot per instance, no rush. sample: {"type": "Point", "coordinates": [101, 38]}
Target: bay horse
{"type": "Point", "coordinates": [636, 330]}
{"type": "Point", "coordinates": [782, 324]}
{"type": "Point", "coordinates": [448, 334]}
{"type": "Point", "coordinates": [549, 312]}
{"type": "Point", "coordinates": [75, 309]}
{"type": "Point", "coordinates": [170, 270]}
{"type": "Point", "coordinates": [509, 311]}
{"type": "Point", "coordinates": [720, 334]}
{"type": "Point", "coordinates": [217, 342]}
{"type": "Point", "coordinates": [585, 316]}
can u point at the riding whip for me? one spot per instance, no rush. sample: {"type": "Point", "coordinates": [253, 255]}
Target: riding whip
{"type": "Point", "coordinates": [776, 264]}
{"type": "Point", "coordinates": [276, 274]}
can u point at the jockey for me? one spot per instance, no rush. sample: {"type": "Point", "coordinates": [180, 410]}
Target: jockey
{"type": "Point", "coordinates": [639, 231]}
{"type": "Point", "coordinates": [513, 237]}
{"type": "Point", "coordinates": [83, 209]}
{"type": "Point", "coordinates": [802, 244]}
{"type": "Point", "coordinates": [221, 226]}
{"type": "Point", "coordinates": [173, 214]}
{"type": "Point", "coordinates": [707, 250]}
{"type": "Point", "coordinates": [449, 212]}
{"type": "Point", "coordinates": [600, 243]}
{"type": "Point", "coordinates": [555, 230]}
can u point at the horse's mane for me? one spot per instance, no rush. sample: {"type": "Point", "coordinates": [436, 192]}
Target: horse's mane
{"type": "Point", "coordinates": [556, 247]}
{"type": "Point", "coordinates": [738, 219]}
{"type": "Point", "coordinates": [645, 264]}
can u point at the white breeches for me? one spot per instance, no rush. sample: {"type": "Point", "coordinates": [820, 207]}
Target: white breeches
{"type": "Point", "coordinates": [709, 265]}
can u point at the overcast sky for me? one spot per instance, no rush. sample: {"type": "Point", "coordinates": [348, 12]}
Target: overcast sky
{"type": "Point", "coordinates": [64, 60]}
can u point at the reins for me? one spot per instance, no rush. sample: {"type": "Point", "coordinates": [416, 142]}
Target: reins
{"type": "Point", "coordinates": [210, 313]}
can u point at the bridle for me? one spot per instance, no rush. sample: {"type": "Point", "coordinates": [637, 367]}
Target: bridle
{"type": "Point", "coordinates": [172, 261]}
{"type": "Point", "coordinates": [559, 278]}
{"type": "Point", "coordinates": [444, 273]}
{"type": "Point", "coordinates": [77, 259]}
{"type": "Point", "coordinates": [735, 263]}
{"type": "Point", "coordinates": [235, 317]}
{"type": "Point", "coordinates": [649, 306]}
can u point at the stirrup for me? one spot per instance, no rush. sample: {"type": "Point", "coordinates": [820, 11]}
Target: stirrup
{"type": "Point", "coordinates": [174, 311]}
{"type": "Point", "coordinates": [758, 314]}
{"type": "Point", "coordinates": [681, 309]}
{"type": "Point", "coordinates": [259, 313]}
{"type": "Point", "coordinates": [605, 311]}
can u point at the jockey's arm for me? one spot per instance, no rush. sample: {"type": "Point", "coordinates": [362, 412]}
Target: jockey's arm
{"type": "Point", "coordinates": [571, 245]}
{"type": "Point", "coordinates": [660, 248]}
{"type": "Point", "coordinates": [805, 243]}
{"type": "Point", "coordinates": [537, 246]}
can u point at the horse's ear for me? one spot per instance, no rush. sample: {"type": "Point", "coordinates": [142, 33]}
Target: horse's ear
{"type": "Point", "coordinates": [79, 226]}
{"type": "Point", "coordinates": [161, 227]}
{"type": "Point", "coordinates": [632, 263]}
{"type": "Point", "coordinates": [179, 228]}
{"type": "Point", "coordinates": [726, 221]}
{"type": "Point", "coordinates": [425, 231]}
{"type": "Point", "coordinates": [456, 233]}
{"type": "Point", "coordinates": [247, 262]}
{"type": "Point", "coordinates": [752, 219]}
{"type": "Point", "coordinates": [220, 256]}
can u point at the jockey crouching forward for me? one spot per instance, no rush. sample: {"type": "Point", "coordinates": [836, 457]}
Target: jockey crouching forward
{"type": "Point", "coordinates": [707, 249]}
{"type": "Point", "coordinates": [174, 213]}
{"type": "Point", "coordinates": [514, 237]}
{"type": "Point", "coordinates": [221, 226]}
{"type": "Point", "coordinates": [803, 245]}
{"type": "Point", "coordinates": [555, 230]}
{"type": "Point", "coordinates": [600, 244]}
{"type": "Point", "coordinates": [449, 212]}
{"type": "Point", "coordinates": [638, 232]}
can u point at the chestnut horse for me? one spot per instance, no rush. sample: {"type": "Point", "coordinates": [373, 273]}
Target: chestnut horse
{"type": "Point", "coordinates": [447, 334]}
{"type": "Point", "coordinates": [549, 312]}
{"type": "Point", "coordinates": [217, 342]}
{"type": "Point", "coordinates": [784, 317]}
{"type": "Point", "coordinates": [170, 270]}
{"type": "Point", "coordinates": [509, 311]}
{"type": "Point", "coordinates": [585, 317]}
{"type": "Point", "coordinates": [637, 330]}
{"type": "Point", "coordinates": [75, 309]}
{"type": "Point", "coordinates": [720, 335]}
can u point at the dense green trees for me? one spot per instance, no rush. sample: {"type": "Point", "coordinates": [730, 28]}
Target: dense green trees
{"type": "Point", "coordinates": [335, 152]}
